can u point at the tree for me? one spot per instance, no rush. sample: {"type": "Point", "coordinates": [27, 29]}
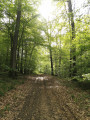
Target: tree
{"type": "Point", "coordinates": [73, 70]}
{"type": "Point", "coordinates": [15, 39]}
{"type": "Point", "coordinates": [23, 37]}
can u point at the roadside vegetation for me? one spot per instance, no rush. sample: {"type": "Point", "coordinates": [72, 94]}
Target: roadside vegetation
{"type": "Point", "coordinates": [7, 83]}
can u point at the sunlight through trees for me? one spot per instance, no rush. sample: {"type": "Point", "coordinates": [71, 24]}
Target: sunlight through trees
{"type": "Point", "coordinates": [45, 36]}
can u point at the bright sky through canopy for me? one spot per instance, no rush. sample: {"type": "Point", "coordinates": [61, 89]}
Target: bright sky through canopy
{"type": "Point", "coordinates": [46, 8]}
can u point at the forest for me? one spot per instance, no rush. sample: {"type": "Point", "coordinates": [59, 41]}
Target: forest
{"type": "Point", "coordinates": [44, 59]}
{"type": "Point", "coordinates": [48, 38]}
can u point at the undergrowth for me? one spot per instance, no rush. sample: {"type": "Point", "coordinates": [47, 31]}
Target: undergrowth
{"type": "Point", "coordinates": [79, 91]}
{"type": "Point", "coordinates": [7, 84]}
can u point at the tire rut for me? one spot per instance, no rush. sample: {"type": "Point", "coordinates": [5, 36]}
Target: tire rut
{"type": "Point", "coordinates": [58, 107]}
{"type": "Point", "coordinates": [57, 111]}
{"type": "Point", "coordinates": [46, 102]}
{"type": "Point", "coordinates": [70, 113]}
{"type": "Point", "coordinates": [30, 104]}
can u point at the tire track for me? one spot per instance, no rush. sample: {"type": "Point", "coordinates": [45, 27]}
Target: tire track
{"type": "Point", "coordinates": [75, 114]}
{"type": "Point", "coordinates": [68, 113]}
{"type": "Point", "coordinates": [46, 102]}
{"type": "Point", "coordinates": [44, 108]}
{"type": "Point", "coordinates": [57, 112]}
{"type": "Point", "coordinates": [56, 104]}
{"type": "Point", "coordinates": [30, 104]}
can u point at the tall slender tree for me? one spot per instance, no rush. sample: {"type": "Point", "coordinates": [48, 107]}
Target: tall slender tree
{"type": "Point", "coordinates": [73, 70]}
{"type": "Point", "coordinates": [15, 39]}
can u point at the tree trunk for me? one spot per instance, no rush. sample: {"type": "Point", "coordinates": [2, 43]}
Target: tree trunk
{"type": "Point", "coordinates": [21, 65]}
{"type": "Point", "coordinates": [73, 70]}
{"type": "Point", "coordinates": [15, 39]}
{"type": "Point", "coordinates": [25, 62]}
{"type": "Point", "coordinates": [60, 59]}
{"type": "Point", "coordinates": [51, 62]}
{"type": "Point", "coordinates": [19, 44]}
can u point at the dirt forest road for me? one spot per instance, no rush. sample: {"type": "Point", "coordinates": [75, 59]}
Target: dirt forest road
{"type": "Point", "coordinates": [48, 100]}
{"type": "Point", "coordinates": [41, 98]}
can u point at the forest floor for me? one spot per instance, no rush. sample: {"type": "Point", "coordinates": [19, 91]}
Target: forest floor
{"type": "Point", "coordinates": [44, 97]}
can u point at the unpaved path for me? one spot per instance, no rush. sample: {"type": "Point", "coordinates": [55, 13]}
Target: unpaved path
{"type": "Point", "coordinates": [43, 98]}
{"type": "Point", "coordinates": [48, 100]}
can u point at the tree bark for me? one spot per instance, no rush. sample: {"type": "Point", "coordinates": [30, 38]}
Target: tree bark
{"type": "Point", "coordinates": [73, 70]}
{"type": "Point", "coordinates": [15, 39]}
{"type": "Point", "coordinates": [51, 62]}
{"type": "Point", "coordinates": [18, 49]}
{"type": "Point", "coordinates": [25, 62]}
{"type": "Point", "coordinates": [21, 65]}
{"type": "Point", "coordinates": [60, 59]}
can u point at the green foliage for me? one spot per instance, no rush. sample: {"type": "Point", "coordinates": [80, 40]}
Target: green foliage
{"type": "Point", "coordinates": [7, 84]}
{"type": "Point", "coordinates": [38, 36]}
{"type": "Point", "coordinates": [86, 77]}
{"type": "Point", "coordinates": [5, 67]}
